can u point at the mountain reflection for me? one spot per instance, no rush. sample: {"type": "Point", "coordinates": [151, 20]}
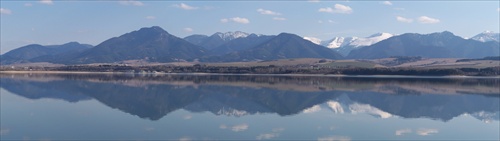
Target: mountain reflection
{"type": "Point", "coordinates": [154, 96]}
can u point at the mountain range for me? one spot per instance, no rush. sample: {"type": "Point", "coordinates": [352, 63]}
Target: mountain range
{"type": "Point", "coordinates": [435, 45]}
{"type": "Point", "coordinates": [154, 44]}
{"type": "Point", "coordinates": [38, 52]}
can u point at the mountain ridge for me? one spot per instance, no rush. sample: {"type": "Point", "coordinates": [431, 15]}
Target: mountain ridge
{"type": "Point", "coordinates": [31, 53]}
{"type": "Point", "coordinates": [154, 44]}
{"type": "Point", "coordinates": [284, 45]}
{"type": "Point", "coordinates": [434, 45]}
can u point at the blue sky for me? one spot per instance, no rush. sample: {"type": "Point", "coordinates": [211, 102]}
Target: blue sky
{"type": "Point", "coordinates": [56, 22]}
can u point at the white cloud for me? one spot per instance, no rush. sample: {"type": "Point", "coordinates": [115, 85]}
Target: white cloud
{"type": "Point", "coordinates": [403, 19]}
{"type": "Point", "coordinates": [240, 127]}
{"type": "Point", "coordinates": [425, 132]}
{"type": "Point", "coordinates": [337, 8]}
{"type": "Point", "coordinates": [185, 6]}
{"type": "Point", "coordinates": [402, 131]}
{"type": "Point", "coordinates": [498, 9]}
{"type": "Point", "coordinates": [313, 0]}
{"type": "Point", "coordinates": [267, 12]}
{"type": "Point", "coordinates": [240, 20]}
{"type": "Point", "coordinates": [236, 19]}
{"type": "Point", "coordinates": [150, 17]}
{"type": "Point", "coordinates": [427, 20]}
{"type": "Point", "coordinates": [187, 29]}
{"type": "Point", "coordinates": [320, 21]}
{"type": "Point", "coordinates": [279, 18]}
{"type": "Point", "coordinates": [48, 2]}
{"type": "Point", "coordinates": [331, 21]}
{"type": "Point", "coordinates": [28, 4]}
{"type": "Point", "coordinates": [328, 10]}
{"type": "Point", "coordinates": [387, 3]}
{"type": "Point", "coordinates": [131, 2]}
{"type": "Point", "coordinates": [5, 11]}
{"type": "Point", "coordinates": [223, 126]}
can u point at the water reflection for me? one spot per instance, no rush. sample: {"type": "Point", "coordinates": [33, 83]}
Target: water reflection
{"type": "Point", "coordinates": [153, 97]}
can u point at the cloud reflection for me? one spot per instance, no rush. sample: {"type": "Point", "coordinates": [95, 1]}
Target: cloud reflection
{"type": "Point", "coordinates": [426, 131]}
{"type": "Point", "coordinates": [278, 129]}
{"type": "Point", "coordinates": [149, 128]}
{"type": "Point", "coordinates": [402, 131]}
{"type": "Point", "coordinates": [266, 136]}
{"type": "Point", "coordinates": [185, 139]}
{"type": "Point", "coordinates": [334, 138]}
{"type": "Point", "coordinates": [235, 128]}
{"type": "Point", "coordinates": [240, 127]}
{"type": "Point", "coordinates": [4, 131]}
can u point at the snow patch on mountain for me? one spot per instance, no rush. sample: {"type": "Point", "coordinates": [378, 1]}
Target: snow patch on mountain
{"type": "Point", "coordinates": [487, 36]}
{"type": "Point", "coordinates": [368, 109]}
{"type": "Point", "coordinates": [227, 36]}
{"type": "Point", "coordinates": [344, 45]}
{"type": "Point", "coordinates": [375, 38]}
{"type": "Point", "coordinates": [339, 42]}
{"type": "Point", "coordinates": [231, 112]}
{"type": "Point", "coordinates": [343, 104]}
{"type": "Point", "coordinates": [486, 117]}
{"type": "Point", "coordinates": [314, 40]}
{"type": "Point", "coordinates": [312, 109]}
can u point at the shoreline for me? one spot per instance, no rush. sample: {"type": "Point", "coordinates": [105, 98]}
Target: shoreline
{"type": "Point", "coordinates": [255, 74]}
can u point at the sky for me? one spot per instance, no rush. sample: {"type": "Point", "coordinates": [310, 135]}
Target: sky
{"type": "Point", "coordinates": [50, 22]}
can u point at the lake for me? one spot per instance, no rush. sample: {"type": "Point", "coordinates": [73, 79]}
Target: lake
{"type": "Point", "coordinates": [247, 107]}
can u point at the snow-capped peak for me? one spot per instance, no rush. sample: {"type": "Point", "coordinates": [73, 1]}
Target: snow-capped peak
{"type": "Point", "coordinates": [375, 38]}
{"type": "Point", "coordinates": [344, 45]}
{"type": "Point", "coordinates": [337, 42]}
{"type": "Point", "coordinates": [314, 40]}
{"type": "Point", "coordinates": [487, 36]}
{"type": "Point", "coordinates": [381, 34]}
{"type": "Point", "coordinates": [231, 35]}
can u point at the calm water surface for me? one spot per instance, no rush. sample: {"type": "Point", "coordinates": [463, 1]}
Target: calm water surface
{"type": "Point", "coordinates": [198, 107]}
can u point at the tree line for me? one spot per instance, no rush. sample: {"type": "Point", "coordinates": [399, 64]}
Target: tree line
{"type": "Point", "coordinates": [271, 69]}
